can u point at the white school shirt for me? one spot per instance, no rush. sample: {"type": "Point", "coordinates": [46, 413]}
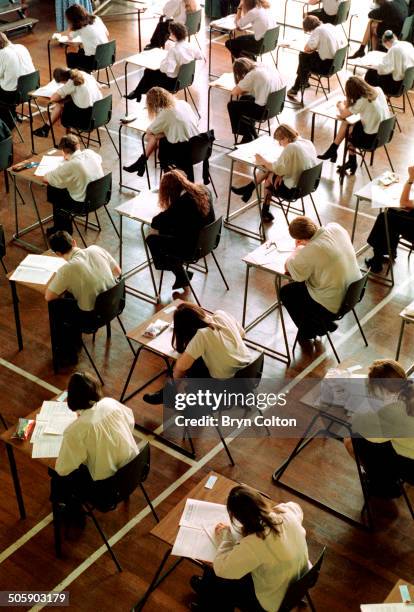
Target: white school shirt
{"type": "Point", "coordinates": [397, 60]}
{"type": "Point", "coordinates": [274, 562]}
{"type": "Point", "coordinates": [87, 273]}
{"type": "Point", "coordinates": [83, 96]}
{"type": "Point", "coordinates": [100, 438]}
{"type": "Point", "coordinates": [326, 39]}
{"type": "Point", "coordinates": [92, 35]}
{"type": "Point", "coordinates": [178, 124]}
{"type": "Point", "coordinates": [296, 157]}
{"type": "Point", "coordinates": [260, 19]}
{"type": "Point", "coordinates": [181, 53]}
{"type": "Point", "coordinates": [260, 82]}
{"type": "Point", "coordinates": [331, 6]}
{"type": "Point", "coordinates": [15, 61]}
{"type": "Point", "coordinates": [372, 113]}
{"type": "Point", "coordinates": [222, 348]}
{"type": "Point", "coordinates": [76, 173]}
{"type": "Point", "coordinates": [175, 9]}
{"type": "Point", "coordinates": [327, 264]}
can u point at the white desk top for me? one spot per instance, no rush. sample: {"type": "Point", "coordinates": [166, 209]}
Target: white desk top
{"type": "Point", "coordinates": [63, 39]}
{"type": "Point", "coordinates": [381, 196]}
{"type": "Point", "coordinates": [328, 109]}
{"type": "Point", "coordinates": [142, 207]}
{"type": "Point", "coordinates": [295, 43]}
{"type": "Point", "coordinates": [227, 23]}
{"type": "Point", "coordinates": [270, 258]}
{"type": "Point", "coordinates": [265, 145]}
{"type": "Point", "coordinates": [225, 82]}
{"type": "Point", "coordinates": [46, 91]}
{"type": "Point", "coordinates": [148, 59]}
{"type": "Point", "coordinates": [408, 313]}
{"type": "Point", "coordinates": [142, 120]}
{"type": "Point", "coordinates": [371, 60]}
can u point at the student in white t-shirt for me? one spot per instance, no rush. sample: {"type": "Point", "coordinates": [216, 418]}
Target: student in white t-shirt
{"type": "Point", "coordinates": [253, 570]}
{"type": "Point", "coordinates": [92, 32]}
{"type": "Point", "coordinates": [73, 101]}
{"type": "Point", "coordinates": [210, 346]}
{"type": "Point", "coordinates": [173, 10]}
{"type": "Point", "coordinates": [323, 266]}
{"type": "Point", "coordinates": [254, 84]}
{"type": "Point", "coordinates": [390, 72]}
{"type": "Point", "coordinates": [258, 15]}
{"type": "Point", "coordinates": [328, 11]}
{"type": "Point", "coordinates": [15, 61]}
{"type": "Point", "coordinates": [371, 104]}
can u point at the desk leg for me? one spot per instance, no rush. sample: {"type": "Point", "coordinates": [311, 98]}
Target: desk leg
{"type": "Point", "coordinates": [262, 233]}
{"type": "Point", "coordinates": [400, 339]}
{"type": "Point", "coordinates": [126, 87]}
{"type": "Point", "coordinates": [38, 216]}
{"type": "Point", "coordinates": [17, 315]}
{"type": "Point", "coordinates": [387, 237]}
{"type": "Point", "coordinates": [365, 492]}
{"type": "Point", "coordinates": [208, 108]}
{"type": "Point", "coordinates": [31, 126]}
{"type": "Point", "coordinates": [209, 55]}
{"type": "Point", "coordinates": [313, 127]}
{"type": "Point", "coordinates": [120, 240]}
{"type": "Point", "coordinates": [278, 283]}
{"type": "Point", "coordinates": [52, 131]}
{"type": "Point", "coordinates": [342, 175]}
{"type": "Point", "coordinates": [16, 481]}
{"type": "Point", "coordinates": [355, 220]}
{"type": "Point", "coordinates": [156, 581]}
{"type": "Point", "coordinates": [229, 194]}
{"type": "Point", "coordinates": [134, 363]}
{"type": "Point", "coordinates": [120, 155]}
{"type": "Point", "coordinates": [246, 291]}
{"type": "Point", "coordinates": [149, 260]}
{"type": "Point", "coordinates": [139, 31]}
{"type": "Point", "coordinates": [284, 18]}
{"type": "Point", "coordinates": [49, 60]}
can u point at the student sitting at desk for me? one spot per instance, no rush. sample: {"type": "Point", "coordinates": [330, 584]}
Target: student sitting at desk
{"type": "Point", "coordinates": [66, 184]}
{"type": "Point", "coordinates": [371, 104]}
{"type": "Point", "coordinates": [323, 266]}
{"type": "Point", "coordinates": [400, 224]}
{"type": "Point", "coordinates": [254, 84]}
{"type": "Point", "coordinates": [384, 437]}
{"type": "Point", "coordinates": [210, 346]}
{"type": "Point", "coordinates": [390, 73]}
{"type": "Point", "coordinates": [73, 101]}
{"type": "Point", "coordinates": [178, 55]}
{"type": "Point", "coordinates": [258, 15]}
{"type": "Point", "coordinates": [173, 124]}
{"type": "Point", "coordinates": [253, 573]}
{"type": "Point", "coordinates": [186, 209]}
{"type": "Point", "coordinates": [324, 41]}
{"type": "Point", "coordinates": [92, 32]}
{"type": "Point", "coordinates": [281, 178]}
{"type": "Point", "coordinates": [174, 10]}
{"type": "Point", "coordinates": [94, 447]}
{"type": "Point", "coordinates": [15, 61]}
{"type": "Point", "coordinates": [87, 273]}
{"type": "Point", "coordinates": [388, 15]}
{"type": "Point", "coordinates": [328, 11]}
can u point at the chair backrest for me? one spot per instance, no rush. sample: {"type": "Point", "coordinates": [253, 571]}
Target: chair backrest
{"type": "Point", "coordinates": [201, 147]}
{"type": "Point", "coordinates": [407, 29]}
{"type": "Point", "coordinates": [6, 153]}
{"type": "Point", "coordinates": [339, 60]}
{"type": "Point", "coordinates": [208, 239]}
{"type": "Point", "coordinates": [309, 180]}
{"type": "Point", "coordinates": [101, 113]}
{"type": "Point", "coordinates": [275, 103]}
{"type": "Point", "coordinates": [353, 295]}
{"type": "Point", "coordinates": [193, 22]}
{"type": "Point", "coordinates": [109, 304]}
{"type": "Point", "coordinates": [98, 193]}
{"type": "Point", "coordinates": [385, 132]}
{"type": "Point", "coordinates": [2, 242]}
{"type": "Point", "coordinates": [297, 590]}
{"type": "Point", "coordinates": [105, 55]}
{"type": "Point", "coordinates": [408, 80]}
{"type": "Point", "coordinates": [25, 84]}
{"type": "Point", "coordinates": [343, 12]}
{"type": "Point", "coordinates": [185, 76]}
{"type": "Point", "coordinates": [253, 370]}
{"type": "Point", "coordinates": [270, 40]}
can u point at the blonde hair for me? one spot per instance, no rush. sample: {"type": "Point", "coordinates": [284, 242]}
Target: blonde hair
{"type": "Point", "coordinates": [285, 131]}
{"type": "Point", "coordinates": [4, 41]}
{"type": "Point", "coordinates": [157, 100]}
{"type": "Point", "coordinates": [191, 6]}
{"type": "Point", "coordinates": [248, 5]}
{"type": "Point", "coordinates": [62, 75]}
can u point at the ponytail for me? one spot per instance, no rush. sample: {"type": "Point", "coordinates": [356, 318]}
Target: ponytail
{"type": "Point", "coordinates": [77, 77]}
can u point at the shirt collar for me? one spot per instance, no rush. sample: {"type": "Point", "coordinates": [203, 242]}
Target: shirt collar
{"type": "Point", "coordinates": [75, 154]}
{"type": "Point", "coordinates": [74, 252]}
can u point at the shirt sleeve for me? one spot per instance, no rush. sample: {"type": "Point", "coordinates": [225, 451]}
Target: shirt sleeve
{"type": "Point", "coordinates": [246, 82]}
{"type": "Point", "coordinates": [313, 40]}
{"type": "Point", "coordinates": [59, 282]}
{"type": "Point", "coordinates": [169, 63]}
{"type": "Point", "coordinates": [245, 20]}
{"type": "Point", "coordinates": [233, 561]}
{"type": "Point", "coordinates": [72, 453]}
{"type": "Point", "coordinates": [66, 90]}
{"type": "Point", "coordinates": [298, 266]}
{"type": "Point", "coordinates": [196, 346]}
{"type": "Point", "coordinates": [59, 176]}
{"type": "Point", "coordinates": [357, 107]}
{"type": "Point", "coordinates": [387, 64]}
{"type": "Point", "coordinates": [281, 166]}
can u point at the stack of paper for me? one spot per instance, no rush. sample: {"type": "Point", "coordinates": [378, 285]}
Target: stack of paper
{"type": "Point", "coordinates": [37, 269]}
{"type": "Point", "coordinates": [266, 146]}
{"type": "Point", "coordinates": [195, 538]}
{"type": "Point", "coordinates": [48, 163]}
{"type": "Point", "coordinates": [48, 90]}
{"type": "Point", "coordinates": [271, 254]}
{"type": "Point", "coordinates": [51, 422]}
{"type": "Point", "coordinates": [225, 81]}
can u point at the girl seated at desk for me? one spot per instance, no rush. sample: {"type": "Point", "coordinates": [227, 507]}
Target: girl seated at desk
{"type": "Point", "coordinates": [254, 572]}
{"type": "Point", "coordinates": [174, 10]}
{"type": "Point", "coordinates": [282, 176]}
{"type": "Point", "coordinates": [371, 104]}
{"type": "Point", "coordinates": [73, 101]}
{"type": "Point", "coordinates": [173, 124]}
{"type": "Point", "coordinates": [186, 209]}
{"type": "Point", "coordinates": [178, 55]}
{"type": "Point", "coordinates": [92, 32]}
{"type": "Point", "coordinates": [254, 84]}
{"type": "Point", "coordinates": [384, 438]}
{"type": "Point", "coordinates": [256, 14]}
{"type": "Point", "coordinates": [210, 346]}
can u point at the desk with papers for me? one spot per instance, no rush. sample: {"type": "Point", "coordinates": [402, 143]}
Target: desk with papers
{"type": "Point", "coordinates": [226, 83]}
{"type": "Point", "coordinates": [328, 110]}
{"type": "Point", "coordinates": [396, 601]}
{"type": "Point", "coordinates": [371, 60]}
{"type": "Point", "coordinates": [45, 92]}
{"type": "Point", "coordinates": [150, 59]}
{"type": "Point", "coordinates": [60, 38]}
{"type": "Point", "coordinates": [139, 124]}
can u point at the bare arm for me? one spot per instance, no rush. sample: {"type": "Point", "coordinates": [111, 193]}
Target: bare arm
{"type": "Point", "coordinates": [51, 295]}
{"type": "Point", "coordinates": [405, 201]}
{"type": "Point", "coordinates": [237, 91]}
{"type": "Point", "coordinates": [261, 161]}
{"type": "Point", "coordinates": [182, 365]}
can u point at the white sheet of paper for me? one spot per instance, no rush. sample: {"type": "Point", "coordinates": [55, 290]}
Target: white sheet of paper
{"type": "Point", "coordinates": [51, 409]}
{"type": "Point", "coordinates": [265, 146]}
{"type": "Point", "coordinates": [162, 343]}
{"type": "Point", "coordinates": [48, 90]}
{"type": "Point", "coordinates": [38, 431]}
{"type": "Point", "coordinates": [57, 426]}
{"type": "Point", "coordinates": [385, 607]}
{"type": "Point", "coordinates": [225, 81]}
{"type": "Point", "coordinates": [194, 544]}
{"type": "Point", "coordinates": [46, 446]}
{"type": "Point", "coordinates": [48, 163]}
{"type": "Point", "coordinates": [197, 513]}
{"type": "Point", "coordinates": [27, 274]}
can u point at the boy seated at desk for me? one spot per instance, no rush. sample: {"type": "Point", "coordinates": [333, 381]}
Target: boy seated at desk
{"type": "Point", "coordinates": [87, 273]}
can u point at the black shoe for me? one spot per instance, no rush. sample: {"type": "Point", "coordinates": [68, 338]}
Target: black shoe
{"type": "Point", "coordinates": [331, 153]}
{"type": "Point", "coordinates": [359, 53]}
{"type": "Point", "coordinates": [42, 132]}
{"type": "Point", "coordinates": [196, 583]}
{"type": "Point", "coordinates": [182, 280]}
{"type": "Point", "coordinates": [245, 192]}
{"type": "Point", "coordinates": [133, 96]}
{"type": "Point", "coordinates": [374, 264]}
{"type": "Point", "coordinates": [138, 166]}
{"type": "Point", "coordinates": [350, 165]}
{"type": "Point", "coordinates": [154, 398]}
{"type": "Point", "coordinates": [267, 216]}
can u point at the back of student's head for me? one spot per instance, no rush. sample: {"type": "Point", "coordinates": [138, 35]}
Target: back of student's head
{"type": "Point", "coordinates": [78, 17]}
{"type": "Point", "coordinates": [188, 319]}
{"type": "Point", "coordinates": [4, 41]}
{"type": "Point", "coordinates": [84, 390]}
{"type": "Point", "coordinates": [385, 375]}
{"type": "Point", "coordinates": [253, 511]}
{"type": "Point", "coordinates": [310, 23]}
{"type": "Point", "coordinates": [178, 30]}
{"type": "Point", "coordinates": [158, 99]}
{"type": "Point", "coordinates": [61, 242]}
{"type": "Point", "coordinates": [251, 4]}
{"type": "Point", "coordinates": [389, 36]}
{"type": "Point", "coordinates": [302, 228]}
{"type": "Point", "coordinates": [356, 88]}
{"type": "Point", "coordinates": [174, 182]}
{"type": "Point", "coordinates": [241, 67]}
{"type": "Point", "coordinates": [69, 143]}
{"type": "Point", "coordinates": [62, 75]}
{"type": "Point", "coordinates": [285, 131]}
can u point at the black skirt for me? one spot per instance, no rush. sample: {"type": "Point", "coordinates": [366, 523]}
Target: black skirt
{"type": "Point", "coordinates": [73, 116]}
{"type": "Point", "coordinates": [361, 139]}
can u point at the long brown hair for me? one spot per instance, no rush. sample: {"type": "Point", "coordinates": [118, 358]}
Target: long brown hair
{"type": "Point", "coordinates": [389, 375]}
{"type": "Point", "coordinates": [248, 5]}
{"type": "Point", "coordinates": [253, 511]}
{"type": "Point", "coordinates": [241, 67]}
{"type": "Point", "coordinates": [188, 319]}
{"type": "Point", "coordinates": [62, 75]}
{"type": "Point", "coordinates": [157, 100]}
{"type": "Point", "coordinates": [78, 17]}
{"type": "Point", "coordinates": [356, 88]}
{"type": "Point", "coordinates": [173, 183]}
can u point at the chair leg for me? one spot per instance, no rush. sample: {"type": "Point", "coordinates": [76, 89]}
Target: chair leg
{"type": "Point", "coordinates": [389, 158]}
{"type": "Point", "coordinates": [226, 448]}
{"type": "Point", "coordinates": [115, 81]}
{"type": "Point", "coordinates": [112, 221]}
{"type": "Point", "coordinates": [310, 602]}
{"type": "Point", "coordinates": [315, 209]}
{"type": "Point", "coordinates": [79, 232]}
{"type": "Point", "coordinates": [6, 181]}
{"type": "Point", "coordinates": [359, 326]}
{"type": "Point", "coordinates": [295, 343]}
{"type": "Point", "coordinates": [112, 140]}
{"type": "Point", "coordinates": [108, 330]}
{"type": "Point", "coordinates": [409, 102]}
{"type": "Point", "coordinates": [103, 536]}
{"type": "Point", "coordinates": [194, 104]}
{"type": "Point", "coordinates": [92, 362]}
{"type": "Point", "coordinates": [212, 184]}
{"type": "Point", "coordinates": [332, 347]}
{"type": "Point", "coordinates": [3, 265]}
{"type": "Point", "coordinates": [147, 499]}
{"type": "Point", "coordinates": [191, 288]}
{"type": "Point", "coordinates": [98, 223]}
{"type": "Point", "coordinates": [220, 270]}
{"type": "Point", "coordinates": [98, 136]}
{"type": "Point", "coordinates": [407, 500]}
{"type": "Point", "coordinates": [124, 330]}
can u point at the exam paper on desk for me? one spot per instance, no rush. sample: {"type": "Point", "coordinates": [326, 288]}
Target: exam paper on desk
{"type": "Point", "coordinates": [48, 163]}
{"type": "Point", "coordinates": [197, 512]}
{"type": "Point", "coordinates": [37, 269]}
{"type": "Point", "coordinates": [48, 90]}
{"type": "Point", "coordinates": [163, 343]}
{"type": "Point", "coordinates": [194, 544]}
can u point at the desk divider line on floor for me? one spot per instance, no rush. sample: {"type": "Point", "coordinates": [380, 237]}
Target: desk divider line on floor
{"type": "Point", "coordinates": [31, 377]}
{"type": "Point", "coordinates": [25, 537]}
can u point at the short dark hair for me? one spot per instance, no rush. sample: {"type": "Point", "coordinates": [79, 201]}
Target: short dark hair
{"type": "Point", "coordinates": [179, 30]}
{"type": "Point", "coordinates": [310, 23]}
{"type": "Point", "coordinates": [69, 143]}
{"type": "Point", "coordinates": [60, 242]}
{"type": "Point", "coordinates": [84, 390]}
